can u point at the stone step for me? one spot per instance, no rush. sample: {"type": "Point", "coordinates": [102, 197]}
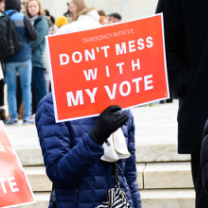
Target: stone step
{"type": "Point", "coordinates": [156, 133]}
{"type": "Point", "coordinates": [140, 175]}
{"type": "Point", "coordinates": [156, 137]}
{"type": "Point", "coordinates": [159, 153]}
{"type": "Point", "coordinates": [30, 156]}
{"type": "Point", "coordinates": [42, 201]}
{"type": "Point", "coordinates": [144, 153]}
{"type": "Point", "coordinates": [40, 183]}
{"type": "Point", "coordinates": [167, 175]}
{"type": "Point", "coordinates": [166, 198]}
{"type": "Point", "coordinates": [38, 179]}
{"type": "Point", "coordinates": [149, 176]}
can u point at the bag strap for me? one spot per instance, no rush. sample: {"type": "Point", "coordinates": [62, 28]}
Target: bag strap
{"type": "Point", "coordinates": [11, 13]}
{"type": "Point", "coordinates": [53, 196]}
{"type": "Point", "coordinates": [117, 184]}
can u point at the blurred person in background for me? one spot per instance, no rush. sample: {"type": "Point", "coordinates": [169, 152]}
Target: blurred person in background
{"type": "Point", "coordinates": [101, 12]}
{"type": "Point", "coordinates": [38, 20]}
{"type": "Point", "coordinates": [86, 18]}
{"type": "Point", "coordinates": [114, 17]}
{"type": "Point", "coordinates": [103, 17]}
{"type": "Point", "coordinates": [2, 6]}
{"type": "Point", "coordinates": [68, 13]}
{"type": "Point", "coordinates": [21, 63]}
{"type": "Point", "coordinates": [18, 91]}
{"type": "Point", "coordinates": [103, 20]}
{"type": "Point", "coordinates": [75, 7]}
{"type": "Point", "coordinates": [2, 110]}
{"type": "Point", "coordinates": [23, 6]}
{"type": "Point", "coordinates": [51, 22]}
{"type": "Point", "coordinates": [49, 17]}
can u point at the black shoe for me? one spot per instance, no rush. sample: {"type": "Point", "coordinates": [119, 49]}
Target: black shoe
{"type": "Point", "coordinates": [2, 115]}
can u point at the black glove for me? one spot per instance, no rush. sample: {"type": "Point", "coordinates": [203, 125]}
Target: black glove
{"type": "Point", "coordinates": [107, 123]}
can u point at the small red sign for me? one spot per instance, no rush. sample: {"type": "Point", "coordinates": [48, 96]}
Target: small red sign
{"type": "Point", "coordinates": [14, 186]}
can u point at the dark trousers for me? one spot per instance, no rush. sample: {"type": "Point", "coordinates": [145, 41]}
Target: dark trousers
{"type": "Point", "coordinates": [1, 89]}
{"type": "Point", "coordinates": [39, 84]}
{"type": "Point", "coordinates": [201, 196]}
{"type": "Point", "coordinates": [18, 94]}
{"type": "Point", "coordinates": [2, 92]}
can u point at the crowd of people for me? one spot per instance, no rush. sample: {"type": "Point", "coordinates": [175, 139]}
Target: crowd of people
{"type": "Point", "coordinates": [26, 71]}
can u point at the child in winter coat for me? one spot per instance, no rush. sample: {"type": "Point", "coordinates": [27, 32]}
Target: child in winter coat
{"type": "Point", "coordinates": [73, 151]}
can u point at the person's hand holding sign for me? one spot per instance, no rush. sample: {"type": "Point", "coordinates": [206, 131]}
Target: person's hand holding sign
{"type": "Point", "coordinates": [108, 122]}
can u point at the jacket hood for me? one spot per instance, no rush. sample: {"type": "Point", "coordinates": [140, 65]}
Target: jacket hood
{"type": "Point", "coordinates": [13, 5]}
{"type": "Point", "coordinates": [88, 19]}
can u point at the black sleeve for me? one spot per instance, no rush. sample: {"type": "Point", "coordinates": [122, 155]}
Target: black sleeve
{"type": "Point", "coordinates": [178, 71]}
{"type": "Point", "coordinates": [30, 30]}
{"type": "Point", "coordinates": [204, 161]}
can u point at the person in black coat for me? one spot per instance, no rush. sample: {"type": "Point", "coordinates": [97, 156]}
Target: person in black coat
{"type": "Point", "coordinates": [186, 39]}
{"type": "Point", "coordinates": [204, 157]}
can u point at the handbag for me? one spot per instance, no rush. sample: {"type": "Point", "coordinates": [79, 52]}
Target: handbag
{"type": "Point", "coordinates": [116, 198]}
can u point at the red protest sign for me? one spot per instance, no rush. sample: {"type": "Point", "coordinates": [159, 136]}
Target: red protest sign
{"type": "Point", "coordinates": [121, 64]}
{"type": "Point", "coordinates": [14, 187]}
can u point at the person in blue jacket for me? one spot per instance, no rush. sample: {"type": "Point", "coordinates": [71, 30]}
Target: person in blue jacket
{"type": "Point", "coordinates": [72, 152]}
{"type": "Point", "coordinates": [38, 20]}
{"type": "Point", "coordinates": [19, 62]}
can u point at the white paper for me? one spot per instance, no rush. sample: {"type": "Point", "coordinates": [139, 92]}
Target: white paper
{"type": "Point", "coordinates": [116, 148]}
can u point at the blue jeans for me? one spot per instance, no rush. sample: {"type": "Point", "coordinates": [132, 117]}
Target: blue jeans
{"type": "Point", "coordinates": [25, 74]}
{"type": "Point", "coordinates": [39, 83]}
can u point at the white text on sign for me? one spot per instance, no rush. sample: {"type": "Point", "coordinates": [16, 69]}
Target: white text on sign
{"type": "Point", "coordinates": [10, 181]}
{"type": "Point", "coordinates": [120, 49]}
{"type": "Point", "coordinates": [79, 98]}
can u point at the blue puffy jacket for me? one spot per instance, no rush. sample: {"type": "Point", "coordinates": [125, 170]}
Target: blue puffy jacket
{"type": "Point", "coordinates": [73, 162]}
